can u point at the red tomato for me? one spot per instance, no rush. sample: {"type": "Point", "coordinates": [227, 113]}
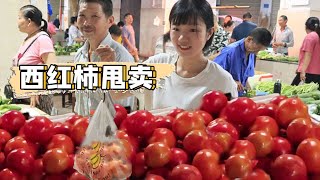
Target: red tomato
{"type": "Point", "coordinates": [121, 114]}
{"type": "Point", "coordinates": [7, 174]}
{"type": "Point", "coordinates": [162, 171]}
{"type": "Point", "coordinates": [61, 141]}
{"type": "Point", "coordinates": [185, 171]}
{"type": "Point", "coordinates": [132, 140]}
{"type": "Point", "coordinates": [264, 163]}
{"type": "Point", "coordinates": [267, 109]}
{"type": "Point", "coordinates": [238, 166]}
{"type": "Point", "coordinates": [163, 135]}
{"type": "Point", "coordinates": [163, 122]}
{"type": "Point", "coordinates": [157, 155]}
{"type": "Point", "coordinates": [39, 129]}
{"type": "Point", "coordinates": [289, 110]}
{"type": "Point", "coordinates": [139, 167]}
{"type": "Point", "coordinates": [20, 160]}
{"type": "Point", "coordinates": [212, 144]}
{"type": "Point", "coordinates": [257, 174]}
{"type": "Point", "coordinates": [267, 124]}
{"type": "Point", "coordinates": [242, 111]}
{"type": "Point", "coordinates": [224, 140]}
{"type": "Point", "coordinates": [61, 128]}
{"type": "Point", "coordinates": [78, 131]}
{"type": "Point", "coordinates": [129, 149]}
{"type": "Point", "coordinates": [5, 136]}
{"type": "Point", "coordinates": [309, 151]}
{"type": "Point", "coordinates": [15, 143]}
{"type": "Point", "coordinates": [173, 113]}
{"type": "Point", "coordinates": [140, 123]}
{"type": "Point", "coordinates": [77, 176]}
{"type": "Point", "coordinates": [206, 116]}
{"type": "Point", "coordinates": [12, 121]}
{"type": "Point", "coordinates": [213, 102]}
{"type": "Point", "coordinates": [220, 126]}
{"type": "Point", "coordinates": [178, 156]}
{"type": "Point", "coordinates": [194, 140]}
{"type": "Point", "coordinates": [2, 160]}
{"type": "Point", "coordinates": [55, 161]}
{"type": "Point", "coordinates": [276, 100]}
{"type": "Point", "coordinates": [244, 147]}
{"type": "Point", "coordinates": [288, 166]}
{"type": "Point", "coordinates": [280, 146]}
{"type": "Point", "coordinates": [56, 177]}
{"type": "Point", "coordinates": [262, 141]}
{"type": "Point", "coordinates": [186, 122]}
{"type": "Point", "coordinates": [154, 177]}
{"type": "Point", "coordinates": [38, 166]}
{"type": "Point", "coordinates": [72, 119]}
{"type": "Point", "coordinates": [299, 129]}
{"type": "Point", "coordinates": [206, 161]}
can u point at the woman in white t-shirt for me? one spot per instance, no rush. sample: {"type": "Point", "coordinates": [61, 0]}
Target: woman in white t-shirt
{"type": "Point", "coordinates": [191, 30]}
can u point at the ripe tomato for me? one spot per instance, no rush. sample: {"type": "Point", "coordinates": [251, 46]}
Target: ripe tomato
{"type": "Point", "coordinates": [61, 141]}
{"type": "Point", "coordinates": [39, 129]}
{"type": "Point", "coordinates": [257, 174]}
{"type": "Point", "coordinates": [129, 149]}
{"type": "Point", "coordinates": [55, 161]}
{"type": "Point", "coordinates": [220, 126]}
{"type": "Point", "coordinates": [288, 166]}
{"type": "Point", "coordinates": [280, 146]}
{"type": "Point", "coordinates": [212, 144]}
{"type": "Point", "coordinates": [78, 131]}
{"type": "Point", "coordinates": [289, 110]}
{"type": "Point", "coordinates": [77, 176]}
{"type": "Point", "coordinates": [186, 122]}
{"type": "Point", "coordinates": [267, 124]}
{"type": "Point", "coordinates": [178, 156]}
{"type": "Point", "coordinates": [157, 155]}
{"type": "Point", "coordinates": [162, 171]}
{"type": "Point", "coordinates": [121, 114]}
{"type": "Point", "coordinates": [163, 135]}
{"type": "Point", "coordinates": [2, 160]}
{"type": "Point", "coordinates": [173, 113]}
{"type": "Point", "coordinates": [207, 161]}
{"type": "Point", "coordinates": [268, 109]}
{"type": "Point", "coordinates": [134, 141]}
{"type": "Point", "coordinates": [72, 119]}
{"type": "Point", "coordinates": [194, 140]}
{"type": "Point", "coordinates": [276, 100]}
{"type": "Point", "coordinates": [38, 166]}
{"type": "Point", "coordinates": [244, 147]}
{"type": "Point", "coordinates": [154, 177]}
{"type": "Point", "coordinates": [224, 140]}
{"type": "Point", "coordinates": [163, 122]}
{"type": "Point", "coordinates": [213, 102]}
{"type": "Point", "coordinates": [299, 129]}
{"type": "Point", "coordinates": [242, 111]}
{"type": "Point", "coordinates": [61, 128]}
{"type": "Point", "coordinates": [309, 151]}
{"type": "Point", "coordinates": [206, 116]}
{"type": "Point", "coordinates": [12, 121]}
{"type": "Point", "coordinates": [185, 171]}
{"type": "Point", "coordinates": [140, 123]}
{"type": "Point", "coordinates": [5, 136]}
{"type": "Point", "coordinates": [56, 177]}
{"type": "Point", "coordinates": [139, 167]}
{"type": "Point", "coordinates": [15, 143]}
{"type": "Point", "coordinates": [238, 166]}
{"type": "Point", "coordinates": [7, 174]}
{"type": "Point", "coordinates": [262, 141]}
{"type": "Point", "coordinates": [20, 160]}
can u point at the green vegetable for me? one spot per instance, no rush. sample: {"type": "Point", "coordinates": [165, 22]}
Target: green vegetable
{"type": "Point", "coordinates": [317, 110]}
{"type": "Point", "coordinates": [317, 102]}
{"type": "Point", "coordinates": [307, 100]}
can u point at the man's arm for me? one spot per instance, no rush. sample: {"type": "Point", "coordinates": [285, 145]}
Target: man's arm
{"type": "Point", "coordinates": [291, 40]}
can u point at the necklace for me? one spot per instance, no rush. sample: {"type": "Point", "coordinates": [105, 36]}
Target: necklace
{"type": "Point", "coordinates": [29, 36]}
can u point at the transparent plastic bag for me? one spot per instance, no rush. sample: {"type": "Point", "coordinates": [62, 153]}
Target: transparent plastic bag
{"type": "Point", "coordinates": [102, 155]}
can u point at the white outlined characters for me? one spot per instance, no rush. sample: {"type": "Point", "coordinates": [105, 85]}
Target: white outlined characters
{"type": "Point", "coordinates": [86, 77]}
{"type": "Point", "coordinates": [59, 77]}
{"type": "Point", "coordinates": [32, 77]}
{"type": "Point", "coordinates": [114, 77]}
{"type": "Point", "coordinates": [141, 76]}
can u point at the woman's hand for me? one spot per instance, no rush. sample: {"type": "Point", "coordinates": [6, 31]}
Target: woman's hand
{"type": "Point", "coordinates": [302, 76]}
{"type": "Point", "coordinates": [106, 53]}
{"type": "Point", "coordinates": [34, 101]}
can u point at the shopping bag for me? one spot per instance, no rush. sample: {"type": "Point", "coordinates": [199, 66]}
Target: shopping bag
{"type": "Point", "coordinates": [101, 155]}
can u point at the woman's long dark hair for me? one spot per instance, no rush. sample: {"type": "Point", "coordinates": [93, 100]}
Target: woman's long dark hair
{"type": "Point", "coordinates": [313, 24]}
{"type": "Point", "coordinates": [35, 15]}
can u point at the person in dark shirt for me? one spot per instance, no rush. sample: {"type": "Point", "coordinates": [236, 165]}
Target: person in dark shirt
{"type": "Point", "coordinates": [244, 29]}
{"type": "Point", "coordinates": [56, 22]}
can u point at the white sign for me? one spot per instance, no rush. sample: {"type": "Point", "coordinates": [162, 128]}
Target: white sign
{"type": "Point", "coordinates": [299, 2]}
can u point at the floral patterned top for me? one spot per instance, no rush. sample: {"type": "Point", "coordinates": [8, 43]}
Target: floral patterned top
{"type": "Point", "coordinates": [219, 41]}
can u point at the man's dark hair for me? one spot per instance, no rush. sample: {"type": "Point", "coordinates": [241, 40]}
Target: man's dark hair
{"type": "Point", "coordinates": [73, 19]}
{"type": "Point", "coordinates": [127, 14]}
{"type": "Point", "coordinates": [120, 24]}
{"type": "Point", "coordinates": [247, 15]}
{"type": "Point", "coordinates": [284, 17]}
{"type": "Point", "coordinates": [228, 24]}
{"type": "Point", "coordinates": [106, 5]}
{"type": "Point", "coordinates": [261, 36]}
{"type": "Point", "coordinates": [114, 29]}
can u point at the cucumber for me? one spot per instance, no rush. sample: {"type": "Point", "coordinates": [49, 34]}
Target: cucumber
{"type": "Point", "coordinates": [304, 95]}
{"type": "Point", "coordinates": [307, 100]}
{"type": "Point", "coordinates": [316, 95]}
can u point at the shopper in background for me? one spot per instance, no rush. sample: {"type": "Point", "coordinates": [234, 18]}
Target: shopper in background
{"type": "Point", "coordinates": [36, 49]}
{"type": "Point", "coordinates": [75, 35]}
{"type": "Point", "coordinates": [191, 33]}
{"type": "Point", "coordinates": [238, 57]}
{"type": "Point", "coordinates": [282, 37]}
{"type": "Point", "coordinates": [128, 37]}
{"type": "Point", "coordinates": [164, 45]}
{"type": "Point", "coordinates": [115, 32]}
{"type": "Point", "coordinates": [120, 24]}
{"type": "Point", "coordinates": [56, 22]}
{"type": "Point", "coordinates": [309, 58]}
{"type": "Point", "coordinates": [243, 29]}
{"type": "Point", "coordinates": [94, 20]}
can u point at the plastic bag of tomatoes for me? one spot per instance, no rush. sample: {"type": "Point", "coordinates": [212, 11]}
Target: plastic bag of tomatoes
{"type": "Point", "coordinates": [102, 155]}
